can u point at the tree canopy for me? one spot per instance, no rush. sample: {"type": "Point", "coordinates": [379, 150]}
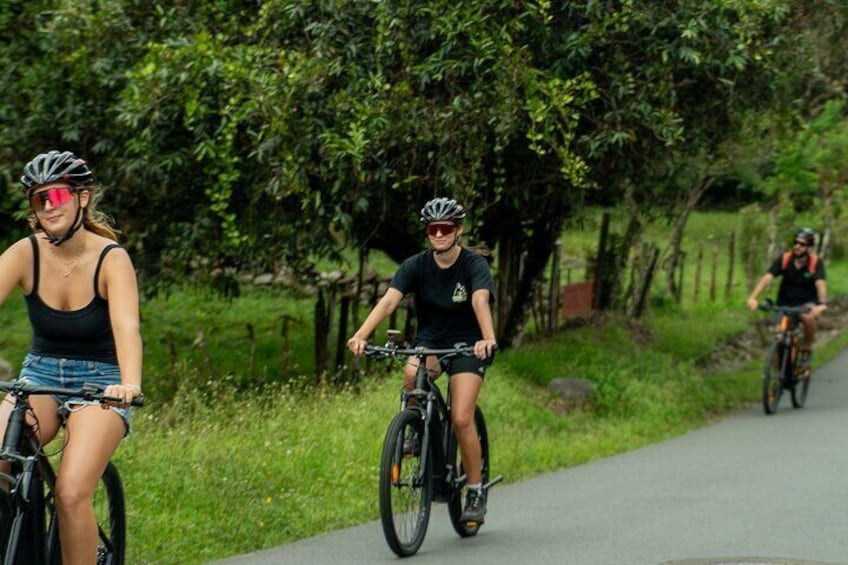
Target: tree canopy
{"type": "Point", "coordinates": [258, 134]}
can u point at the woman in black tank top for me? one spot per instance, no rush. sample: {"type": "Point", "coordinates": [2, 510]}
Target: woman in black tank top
{"type": "Point", "coordinates": [82, 298]}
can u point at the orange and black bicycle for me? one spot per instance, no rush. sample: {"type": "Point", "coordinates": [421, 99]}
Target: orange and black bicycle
{"type": "Point", "coordinates": [784, 369]}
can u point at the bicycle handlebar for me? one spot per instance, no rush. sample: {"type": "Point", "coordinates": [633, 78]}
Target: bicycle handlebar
{"type": "Point", "coordinates": [89, 391]}
{"type": "Point", "coordinates": [385, 352]}
{"type": "Point", "coordinates": [770, 307]}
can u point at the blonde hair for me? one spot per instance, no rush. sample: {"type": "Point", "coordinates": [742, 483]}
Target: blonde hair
{"type": "Point", "coordinates": [93, 219]}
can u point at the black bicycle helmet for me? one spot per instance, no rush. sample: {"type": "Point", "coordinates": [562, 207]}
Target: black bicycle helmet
{"type": "Point", "coordinates": [442, 210]}
{"type": "Point", "coordinates": [806, 235]}
{"type": "Point", "coordinates": [56, 166]}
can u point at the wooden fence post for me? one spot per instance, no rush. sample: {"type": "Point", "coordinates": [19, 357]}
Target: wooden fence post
{"type": "Point", "coordinates": [322, 331]}
{"type": "Point", "coordinates": [714, 273]}
{"type": "Point", "coordinates": [728, 287]}
{"type": "Point", "coordinates": [341, 338]}
{"type": "Point", "coordinates": [553, 293]}
{"type": "Point", "coordinates": [698, 263]}
{"type": "Point", "coordinates": [599, 298]}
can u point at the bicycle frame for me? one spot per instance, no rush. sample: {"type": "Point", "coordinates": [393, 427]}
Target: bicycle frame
{"type": "Point", "coordinates": [34, 469]}
{"type": "Point", "coordinates": [782, 371]}
{"type": "Point", "coordinates": [435, 411]}
{"type": "Point", "coordinates": [31, 504]}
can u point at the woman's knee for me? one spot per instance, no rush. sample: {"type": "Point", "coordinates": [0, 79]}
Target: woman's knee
{"type": "Point", "coordinates": [462, 419]}
{"type": "Point", "coordinates": [70, 493]}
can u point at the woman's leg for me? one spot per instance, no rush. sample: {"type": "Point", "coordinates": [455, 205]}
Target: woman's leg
{"type": "Point", "coordinates": [93, 434]}
{"type": "Point", "coordinates": [464, 390]}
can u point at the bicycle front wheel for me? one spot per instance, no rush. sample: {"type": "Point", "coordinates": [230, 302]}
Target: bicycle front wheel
{"type": "Point", "coordinates": [465, 529]}
{"type": "Point", "coordinates": [800, 385]}
{"type": "Point", "coordinates": [406, 486]}
{"type": "Point", "coordinates": [776, 367]}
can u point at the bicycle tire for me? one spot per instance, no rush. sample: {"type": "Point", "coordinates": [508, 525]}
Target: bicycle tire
{"type": "Point", "coordinates": [26, 539]}
{"type": "Point", "coordinates": [110, 514]}
{"type": "Point", "coordinates": [773, 378]}
{"type": "Point", "coordinates": [6, 516]}
{"type": "Point", "coordinates": [406, 489]}
{"type": "Point", "coordinates": [456, 499]}
{"type": "Point", "coordinates": [800, 385]}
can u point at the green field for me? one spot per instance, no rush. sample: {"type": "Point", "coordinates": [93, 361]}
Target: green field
{"type": "Point", "coordinates": [216, 466]}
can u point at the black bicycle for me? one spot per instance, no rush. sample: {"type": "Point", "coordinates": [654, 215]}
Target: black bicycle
{"type": "Point", "coordinates": [421, 462]}
{"type": "Point", "coordinates": [783, 369]}
{"type": "Point", "coordinates": [29, 533]}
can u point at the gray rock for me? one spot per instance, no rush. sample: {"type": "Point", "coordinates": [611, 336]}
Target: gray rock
{"type": "Point", "coordinates": [572, 393]}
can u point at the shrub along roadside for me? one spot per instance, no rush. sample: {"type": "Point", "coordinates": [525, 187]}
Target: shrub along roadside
{"type": "Point", "coordinates": [220, 473]}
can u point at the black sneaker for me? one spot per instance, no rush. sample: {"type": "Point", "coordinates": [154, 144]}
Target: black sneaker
{"type": "Point", "coordinates": [475, 507]}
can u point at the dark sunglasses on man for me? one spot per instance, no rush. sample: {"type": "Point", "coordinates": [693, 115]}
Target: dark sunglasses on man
{"type": "Point", "coordinates": [56, 195]}
{"type": "Point", "coordinates": [802, 243]}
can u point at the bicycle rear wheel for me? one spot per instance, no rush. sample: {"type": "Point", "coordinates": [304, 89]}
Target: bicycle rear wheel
{"type": "Point", "coordinates": [776, 367]}
{"type": "Point", "coordinates": [406, 486]}
{"type": "Point", "coordinates": [110, 514]}
{"type": "Point", "coordinates": [457, 497]}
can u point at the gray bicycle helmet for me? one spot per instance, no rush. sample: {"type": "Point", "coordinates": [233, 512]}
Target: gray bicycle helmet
{"type": "Point", "coordinates": [806, 235]}
{"type": "Point", "coordinates": [56, 166]}
{"type": "Point", "coordinates": [442, 210]}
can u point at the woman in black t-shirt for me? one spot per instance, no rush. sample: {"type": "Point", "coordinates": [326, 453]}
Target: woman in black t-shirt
{"type": "Point", "coordinates": [453, 291]}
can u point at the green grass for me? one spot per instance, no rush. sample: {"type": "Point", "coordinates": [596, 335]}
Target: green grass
{"type": "Point", "coordinates": [226, 468]}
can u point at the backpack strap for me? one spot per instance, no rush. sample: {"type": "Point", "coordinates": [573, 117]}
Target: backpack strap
{"type": "Point", "coordinates": [811, 263]}
{"type": "Point", "coordinates": [786, 258]}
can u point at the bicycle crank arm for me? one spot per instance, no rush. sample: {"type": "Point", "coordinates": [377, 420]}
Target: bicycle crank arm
{"type": "Point", "coordinates": [493, 482]}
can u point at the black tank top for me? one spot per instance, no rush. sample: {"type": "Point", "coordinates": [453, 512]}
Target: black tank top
{"type": "Point", "coordinates": [79, 334]}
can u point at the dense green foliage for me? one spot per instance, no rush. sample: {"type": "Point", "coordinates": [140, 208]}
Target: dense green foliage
{"type": "Point", "coordinates": [256, 135]}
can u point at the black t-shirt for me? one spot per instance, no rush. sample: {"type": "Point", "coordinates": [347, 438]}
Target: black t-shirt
{"type": "Point", "coordinates": [443, 296]}
{"type": "Point", "coordinates": [798, 286]}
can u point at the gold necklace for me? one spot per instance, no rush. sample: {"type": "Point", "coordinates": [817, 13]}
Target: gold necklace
{"type": "Point", "coordinates": [68, 265]}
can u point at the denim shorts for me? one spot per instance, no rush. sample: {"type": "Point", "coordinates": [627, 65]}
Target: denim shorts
{"type": "Point", "coordinates": [72, 373]}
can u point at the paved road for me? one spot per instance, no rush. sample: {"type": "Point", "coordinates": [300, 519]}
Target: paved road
{"type": "Point", "coordinates": [750, 489]}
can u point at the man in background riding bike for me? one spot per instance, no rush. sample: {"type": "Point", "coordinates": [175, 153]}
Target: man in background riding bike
{"type": "Point", "coordinates": [453, 290]}
{"type": "Point", "coordinates": [82, 298]}
{"type": "Point", "coordinates": [803, 283]}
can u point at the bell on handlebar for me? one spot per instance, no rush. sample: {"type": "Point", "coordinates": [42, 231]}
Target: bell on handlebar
{"type": "Point", "coordinates": [394, 338]}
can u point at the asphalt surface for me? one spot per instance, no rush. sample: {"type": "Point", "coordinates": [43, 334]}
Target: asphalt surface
{"type": "Point", "coordinates": [751, 489]}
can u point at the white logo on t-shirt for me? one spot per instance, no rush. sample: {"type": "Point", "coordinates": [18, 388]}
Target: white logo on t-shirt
{"type": "Point", "coordinates": [459, 293]}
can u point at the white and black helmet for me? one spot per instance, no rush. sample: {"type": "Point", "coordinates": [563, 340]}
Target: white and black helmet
{"type": "Point", "coordinates": [56, 166]}
{"type": "Point", "coordinates": [806, 235]}
{"type": "Point", "coordinates": [442, 210]}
